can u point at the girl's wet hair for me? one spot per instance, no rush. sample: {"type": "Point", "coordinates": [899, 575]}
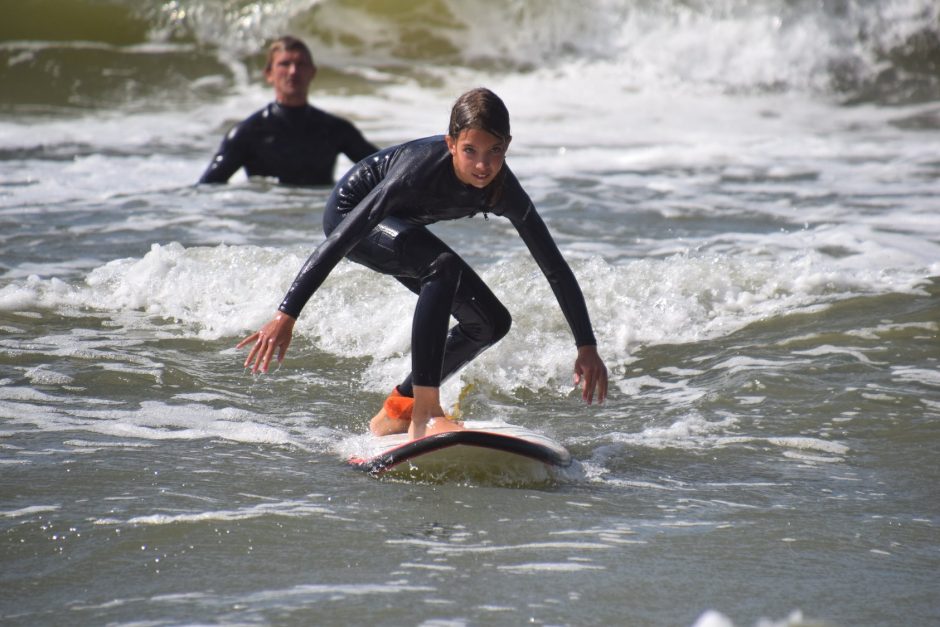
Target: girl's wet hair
{"type": "Point", "coordinates": [482, 110]}
{"type": "Point", "coordinates": [285, 44]}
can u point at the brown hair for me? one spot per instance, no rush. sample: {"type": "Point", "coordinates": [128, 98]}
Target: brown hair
{"type": "Point", "coordinates": [482, 110]}
{"type": "Point", "coordinates": [285, 43]}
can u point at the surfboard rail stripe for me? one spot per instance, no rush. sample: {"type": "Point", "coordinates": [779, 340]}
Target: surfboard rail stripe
{"type": "Point", "coordinates": [388, 459]}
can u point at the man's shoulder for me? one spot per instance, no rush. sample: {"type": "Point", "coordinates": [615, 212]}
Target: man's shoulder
{"type": "Point", "coordinates": [325, 118]}
{"type": "Point", "coordinates": [264, 113]}
{"type": "Point", "coordinates": [254, 121]}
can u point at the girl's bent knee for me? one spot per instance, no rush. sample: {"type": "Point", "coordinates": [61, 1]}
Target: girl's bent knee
{"type": "Point", "coordinates": [446, 268]}
{"type": "Point", "coordinates": [502, 322]}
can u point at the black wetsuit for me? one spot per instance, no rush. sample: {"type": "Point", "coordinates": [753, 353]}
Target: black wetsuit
{"type": "Point", "coordinates": [296, 145]}
{"type": "Point", "coordinates": [376, 216]}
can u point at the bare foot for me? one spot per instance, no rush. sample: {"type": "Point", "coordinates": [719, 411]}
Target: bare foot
{"type": "Point", "coordinates": [442, 425]}
{"type": "Point", "coordinates": [381, 424]}
{"type": "Point", "coordinates": [427, 416]}
{"type": "Point", "coordinates": [399, 420]}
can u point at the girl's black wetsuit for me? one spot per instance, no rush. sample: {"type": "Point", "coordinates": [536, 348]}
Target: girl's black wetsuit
{"type": "Point", "coordinates": [376, 216]}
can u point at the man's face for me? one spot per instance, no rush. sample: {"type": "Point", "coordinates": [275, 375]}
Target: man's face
{"type": "Point", "coordinates": [290, 75]}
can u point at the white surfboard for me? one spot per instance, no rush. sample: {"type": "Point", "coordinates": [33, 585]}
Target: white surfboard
{"type": "Point", "coordinates": [485, 451]}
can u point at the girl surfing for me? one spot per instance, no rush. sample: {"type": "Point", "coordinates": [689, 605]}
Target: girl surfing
{"type": "Point", "coordinates": [378, 214]}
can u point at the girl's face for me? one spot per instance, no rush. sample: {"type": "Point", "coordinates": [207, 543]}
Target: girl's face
{"type": "Point", "coordinates": [478, 156]}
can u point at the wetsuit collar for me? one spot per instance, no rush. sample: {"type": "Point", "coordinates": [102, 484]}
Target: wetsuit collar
{"type": "Point", "coordinates": [288, 112]}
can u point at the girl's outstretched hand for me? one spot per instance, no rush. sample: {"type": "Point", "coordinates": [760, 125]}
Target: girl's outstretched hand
{"type": "Point", "coordinates": [589, 368]}
{"type": "Point", "coordinates": [275, 335]}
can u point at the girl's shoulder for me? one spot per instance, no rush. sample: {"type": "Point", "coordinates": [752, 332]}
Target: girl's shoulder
{"type": "Point", "coordinates": [426, 147]}
{"type": "Point", "coordinates": [419, 159]}
{"type": "Point", "coordinates": [511, 200]}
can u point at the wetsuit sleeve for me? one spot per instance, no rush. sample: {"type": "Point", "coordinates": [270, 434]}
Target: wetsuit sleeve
{"type": "Point", "coordinates": [355, 146]}
{"type": "Point", "coordinates": [355, 226]}
{"type": "Point", "coordinates": [562, 280]}
{"type": "Point", "coordinates": [227, 160]}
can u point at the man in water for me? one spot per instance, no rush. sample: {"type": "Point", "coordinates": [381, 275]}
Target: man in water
{"type": "Point", "coordinates": [289, 139]}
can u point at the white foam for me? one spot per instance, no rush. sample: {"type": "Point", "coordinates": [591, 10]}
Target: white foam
{"type": "Point", "coordinates": [286, 509]}
{"type": "Point", "coordinates": [435, 548]}
{"type": "Point", "coordinates": [692, 431]}
{"type": "Point", "coordinates": [151, 421]}
{"type": "Point", "coordinates": [29, 511]}
{"type": "Point", "coordinates": [811, 444]}
{"type": "Point", "coordinates": [228, 291]}
{"type": "Point", "coordinates": [333, 591]}
{"type": "Point", "coordinates": [553, 567]}
{"type": "Point", "coordinates": [712, 618]}
{"type": "Point", "coordinates": [827, 349]}
{"type": "Point", "coordinates": [160, 421]}
{"type": "Point", "coordinates": [42, 375]}
{"type": "Point", "coordinates": [917, 375]}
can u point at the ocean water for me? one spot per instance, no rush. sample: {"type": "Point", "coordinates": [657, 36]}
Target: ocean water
{"type": "Point", "coordinates": [748, 192]}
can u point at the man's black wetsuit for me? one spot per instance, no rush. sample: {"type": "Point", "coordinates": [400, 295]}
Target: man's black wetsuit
{"type": "Point", "coordinates": [376, 216]}
{"type": "Point", "coordinates": [296, 145]}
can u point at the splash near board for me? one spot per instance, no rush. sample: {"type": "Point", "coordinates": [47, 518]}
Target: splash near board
{"type": "Point", "coordinates": [483, 450]}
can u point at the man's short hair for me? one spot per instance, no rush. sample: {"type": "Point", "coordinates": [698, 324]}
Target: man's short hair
{"type": "Point", "coordinates": [283, 44]}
